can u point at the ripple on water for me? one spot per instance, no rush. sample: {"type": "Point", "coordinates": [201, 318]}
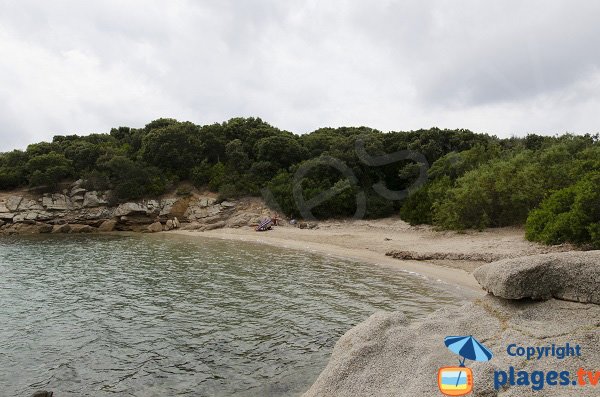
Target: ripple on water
{"type": "Point", "coordinates": [148, 315]}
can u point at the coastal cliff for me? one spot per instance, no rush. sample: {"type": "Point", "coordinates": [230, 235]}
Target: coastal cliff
{"type": "Point", "coordinates": [387, 355]}
{"type": "Point", "coordinates": [77, 210]}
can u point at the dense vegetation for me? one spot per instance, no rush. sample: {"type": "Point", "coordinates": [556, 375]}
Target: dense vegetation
{"type": "Point", "coordinates": [551, 184]}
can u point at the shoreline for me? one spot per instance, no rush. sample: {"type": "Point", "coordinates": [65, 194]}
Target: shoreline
{"type": "Point", "coordinates": [459, 280]}
{"type": "Point", "coordinates": [375, 241]}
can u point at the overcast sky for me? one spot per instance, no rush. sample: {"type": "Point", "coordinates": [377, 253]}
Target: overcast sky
{"type": "Point", "coordinates": [502, 67]}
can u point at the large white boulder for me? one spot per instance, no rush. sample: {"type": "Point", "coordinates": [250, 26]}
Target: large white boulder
{"type": "Point", "coordinates": [389, 355]}
{"type": "Point", "coordinates": [130, 208]}
{"type": "Point", "coordinates": [57, 202]}
{"type": "Point", "coordinates": [155, 227]}
{"type": "Point", "coordinates": [12, 203]}
{"type": "Point", "coordinates": [93, 199]}
{"type": "Point", "coordinates": [573, 276]}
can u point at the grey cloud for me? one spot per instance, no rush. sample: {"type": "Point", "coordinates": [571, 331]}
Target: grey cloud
{"type": "Point", "coordinates": [472, 53]}
{"type": "Point", "coordinates": [73, 67]}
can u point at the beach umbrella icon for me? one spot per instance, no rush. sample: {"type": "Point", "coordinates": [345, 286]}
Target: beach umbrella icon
{"type": "Point", "coordinates": [468, 348]}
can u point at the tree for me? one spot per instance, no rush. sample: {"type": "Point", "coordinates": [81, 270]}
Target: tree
{"type": "Point", "coordinates": [281, 189]}
{"type": "Point", "coordinates": [248, 130]}
{"type": "Point", "coordinates": [37, 149]}
{"type": "Point", "coordinates": [11, 178]}
{"type": "Point", "coordinates": [262, 172]}
{"type": "Point", "coordinates": [13, 171]}
{"type": "Point", "coordinates": [132, 180]}
{"type": "Point", "coordinates": [237, 158]}
{"type": "Point", "coordinates": [282, 151]}
{"type": "Point", "coordinates": [83, 155]}
{"type": "Point", "coordinates": [201, 174]}
{"type": "Point", "coordinates": [48, 170]}
{"type": "Point", "coordinates": [213, 138]}
{"type": "Point", "coordinates": [217, 177]}
{"type": "Point", "coordinates": [174, 147]}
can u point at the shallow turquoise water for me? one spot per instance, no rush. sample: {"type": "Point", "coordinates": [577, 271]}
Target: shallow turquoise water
{"type": "Point", "coordinates": [160, 315]}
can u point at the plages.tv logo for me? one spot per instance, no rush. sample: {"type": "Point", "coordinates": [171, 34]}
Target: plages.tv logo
{"type": "Point", "coordinates": [458, 381]}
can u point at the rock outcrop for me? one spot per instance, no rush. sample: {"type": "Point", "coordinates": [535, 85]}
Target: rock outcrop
{"type": "Point", "coordinates": [57, 202]}
{"type": "Point", "coordinates": [13, 202]}
{"type": "Point", "coordinates": [65, 228]}
{"type": "Point", "coordinates": [389, 355]}
{"type": "Point", "coordinates": [78, 206]}
{"type": "Point", "coordinates": [29, 228]}
{"type": "Point", "coordinates": [155, 227]}
{"type": "Point", "coordinates": [82, 229]}
{"type": "Point", "coordinates": [216, 225]}
{"type": "Point", "coordinates": [242, 219]}
{"type": "Point", "coordinates": [573, 276]}
{"type": "Point", "coordinates": [91, 200]}
{"type": "Point", "coordinates": [107, 226]}
{"type": "Point", "coordinates": [429, 256]}
{"type": "Point", "coordinates": [58, 208]}
{"type": "Point", "coordinates": [129, 209]}
{"type": "Point", "coordinates": [5, 215]}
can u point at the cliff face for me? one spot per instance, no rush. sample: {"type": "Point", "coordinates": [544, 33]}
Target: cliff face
{"type": "Point", "coordinates": [387, 355]}
{"type": "Point", "coordinates": [79, 210]}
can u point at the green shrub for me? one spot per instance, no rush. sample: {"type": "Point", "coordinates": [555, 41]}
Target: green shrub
{"type": "Point", "coordinates": [417, 209]}
{"type": "Point", "coordinates": [13, 169]}
{"type": "Point", "coordinates": [48, 170]}
{"type": "Point", "coordinates": [378, 207]}
{"type": "Point", "coordinates": [133, 179]}
{"type": "Point", "coordinates": [569, 215]}
{"type": "Point", "coordinates": [201, 174]}
{"type": "Point", "coordinates": [96, 180]}
{"type": "Point", "coordinates": [11, 178]}
{"type": "Point", "coordinates": [419, 206]}
{"type": "Point", "coordinates": [499, 193]}
{"type": "Point", "coordinates": [280, 187]}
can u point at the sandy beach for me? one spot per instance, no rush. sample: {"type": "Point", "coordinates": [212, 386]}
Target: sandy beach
{"type": "Point", "coordinates": [369, 241]}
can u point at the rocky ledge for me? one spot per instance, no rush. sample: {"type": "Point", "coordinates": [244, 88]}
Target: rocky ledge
{"type": "Point", "coordinates": [77, 210]}
{"type": "Point", "coordinates": [573, 276]}
{"type": "Point", "coordinates": [387, 355]}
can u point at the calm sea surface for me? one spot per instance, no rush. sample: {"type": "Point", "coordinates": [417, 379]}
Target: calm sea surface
{"type": "Point", "coordinates": [159, 315]}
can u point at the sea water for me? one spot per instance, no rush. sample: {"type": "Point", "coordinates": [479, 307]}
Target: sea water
{"type": "Point", "coordinates": [163, 315]}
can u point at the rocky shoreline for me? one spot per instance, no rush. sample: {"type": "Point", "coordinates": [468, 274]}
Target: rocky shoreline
{"type": "Point", "coordinates": [77, 210]}
{"type": "Point", "coordinates": [387, 355]}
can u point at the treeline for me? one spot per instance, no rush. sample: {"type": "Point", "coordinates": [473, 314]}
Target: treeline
{"type": "Point", "coordinates": [551, 184]}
